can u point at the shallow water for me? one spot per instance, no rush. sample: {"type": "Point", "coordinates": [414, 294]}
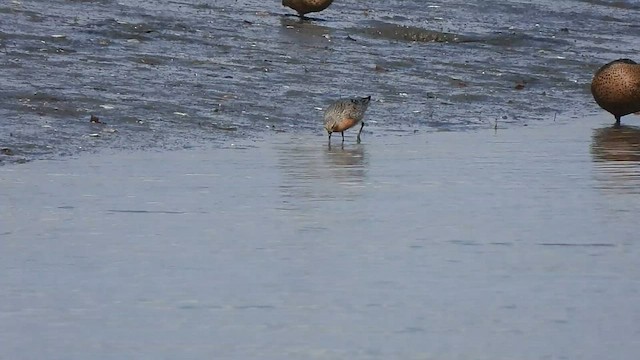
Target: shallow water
{"type": "Point", "coordinates": [520, 243]}
{"type": "Point", "coordinates": [175, 74]}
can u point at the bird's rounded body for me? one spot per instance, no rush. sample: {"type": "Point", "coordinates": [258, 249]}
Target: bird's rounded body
{"type": "Point", "coordinates": [345, 114]}
{"type": "Point", "coordinates": [616, 87]}
{"type": "Point", "coordinates": [306, 6]}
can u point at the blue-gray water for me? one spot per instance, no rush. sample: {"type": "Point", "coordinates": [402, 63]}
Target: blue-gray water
{"type": "Point", "coordinates": [207, 218]}
{"type": "Point", "coordinates": [520, 244]}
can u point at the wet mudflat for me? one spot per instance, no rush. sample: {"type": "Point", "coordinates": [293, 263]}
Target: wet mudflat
{"type": "Point", "coordinates": [520, 243]}
{"type": "Point", "coordinates": [177, 74]}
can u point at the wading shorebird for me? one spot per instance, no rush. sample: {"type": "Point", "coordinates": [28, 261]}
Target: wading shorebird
{"type": "Point", "coordinates": [345, 114]}
{"type": "Point", "coordinates": [616, 88]}
{"type": "Point", "coordinates": [306, 6]}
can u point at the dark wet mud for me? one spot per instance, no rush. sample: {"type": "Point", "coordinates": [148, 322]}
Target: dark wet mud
{"type": "Point", "coordinates": [176, 74]}
{"type": "Point", "coordinates": [408, 33]}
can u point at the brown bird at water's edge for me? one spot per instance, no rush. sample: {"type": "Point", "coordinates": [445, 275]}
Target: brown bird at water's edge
{"type": "Point", "coordinates": [345, 114]}
{"type": "Point", "coordinates": [306, 6]}
{"type": "Point", "coordinates": [616, 88]}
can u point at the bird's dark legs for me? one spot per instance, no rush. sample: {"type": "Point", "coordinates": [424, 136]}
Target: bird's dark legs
{"type": "Point", "coordinates": [361, 127]}
{"type": "Point", "coordinates": [303, 18]}
{"type": "Point", "coordinates": [329, 137]}
{"type": "Point", "coordinates": [617, 124]}
{"type": "Point", "coordinates": [342, 136]}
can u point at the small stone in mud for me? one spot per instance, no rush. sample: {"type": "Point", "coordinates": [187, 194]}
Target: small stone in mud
{"type": "Point", "coordinates": [94, 135]}
{"type": "Point", "coordinates": [379, 68]}
{"type": "Point", "coordinates": [565, 29]}
{"type": "Point", "coordinates": [95, 120]}
{"type": "Point", "coordinates": [520, 85]}
{"type": "Point", "coordinates": [350, 38]}
{"type": "Point", "coordinates": [6, 151]}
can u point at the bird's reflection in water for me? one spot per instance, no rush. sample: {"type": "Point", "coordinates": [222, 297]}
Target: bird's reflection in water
{"type": "Point", "coordinates": [347, 165]}
{"type": "Point", "coordinates": [616, 154]}
{"type": "Point", "coordinates": [320, 173]}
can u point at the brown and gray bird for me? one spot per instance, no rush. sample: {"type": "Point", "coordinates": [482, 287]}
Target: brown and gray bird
{"type": "Point", "coordinates": [616, 88]}
{"type": "Point", "coordinates": [306, 6]}
{"type": "Point", "coordinates": [345, 114]}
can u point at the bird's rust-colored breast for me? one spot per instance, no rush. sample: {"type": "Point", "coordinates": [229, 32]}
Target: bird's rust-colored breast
{"type": "Point", "coordinates": [307, 6]}
{"type": "Point", "coordinates": [344, 124]}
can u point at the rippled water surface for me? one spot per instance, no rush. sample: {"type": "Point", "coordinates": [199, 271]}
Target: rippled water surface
{"type": "Point", "coordinates": [173, 74]}
{"type": "Point", "coordinates": [515, 244]}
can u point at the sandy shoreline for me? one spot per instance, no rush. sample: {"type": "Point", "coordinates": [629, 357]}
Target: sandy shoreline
{"type": "Point", "coordinates": [515, 244]}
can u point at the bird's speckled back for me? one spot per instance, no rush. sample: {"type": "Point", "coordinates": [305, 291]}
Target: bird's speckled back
{"type": "Point", "coordinates": [616, 87]}
{"type": "Point", "coordinates": [351, 108]}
